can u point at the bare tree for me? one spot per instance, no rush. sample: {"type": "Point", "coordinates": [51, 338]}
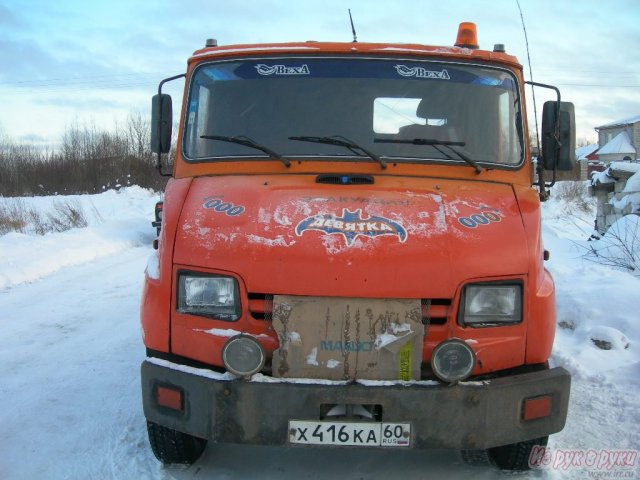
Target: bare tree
{"type": "Point", "coordinates": [619, 247]}
{"type": "Point", "coordinates": [138, 133]}
{"type": "Point", "coordinates": [88, 160]}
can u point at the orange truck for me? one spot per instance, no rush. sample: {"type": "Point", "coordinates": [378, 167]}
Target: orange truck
{"type": "Point", "coordinates": [350, 253]}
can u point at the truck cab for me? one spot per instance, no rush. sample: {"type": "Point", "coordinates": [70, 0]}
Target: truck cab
{"type": "Point", "coordinates": [350, 254]}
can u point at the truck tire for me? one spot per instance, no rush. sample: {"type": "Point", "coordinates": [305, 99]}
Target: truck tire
{"type": "Point", "coordinates": [171, 446]}
{"type": "Point", "coordinates": [476, 458]}
{"type": "Point", "coordinates": [516, 455]}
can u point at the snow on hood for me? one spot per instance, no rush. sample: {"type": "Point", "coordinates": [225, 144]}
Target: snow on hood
{"type": "Point", "coordinates": [292, 235]}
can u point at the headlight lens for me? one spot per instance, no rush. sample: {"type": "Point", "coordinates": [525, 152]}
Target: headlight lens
{"type": "Point", "coordinates": [242, 355]}
{"type": "Point", "coordinates": [490, 305]}
{"type": "Point", "coordinates": [452, 361]}
{"type": "Point", "coordinates": [210, 296]}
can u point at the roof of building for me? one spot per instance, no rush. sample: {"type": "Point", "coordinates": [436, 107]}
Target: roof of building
{"type": "Point", "coordinates": [621, 123]}
{"type": "Point", "coordinates": [583, 152]}
{"type": "Point", "coordinates": [621, 143]}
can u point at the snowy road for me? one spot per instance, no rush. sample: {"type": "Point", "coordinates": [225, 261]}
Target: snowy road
{"type": "Point", "coordinates": [70, 351]}
{"type": "Point", "coordinates": [69, 356]}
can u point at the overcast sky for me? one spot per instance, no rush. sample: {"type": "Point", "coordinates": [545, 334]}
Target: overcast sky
{"type": "Point", "coordinates": [96, 61]}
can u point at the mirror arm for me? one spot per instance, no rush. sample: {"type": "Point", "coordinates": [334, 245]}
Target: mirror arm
{"type": "Point", "coordinates": [544, 194]}
{"type": "Point", "coordinates": [159, 126]}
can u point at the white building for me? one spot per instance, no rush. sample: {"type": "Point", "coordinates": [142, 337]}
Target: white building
{"type": "Point", "coordinates": [619, 140]}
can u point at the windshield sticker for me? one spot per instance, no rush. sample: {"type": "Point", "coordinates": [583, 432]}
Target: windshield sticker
{"type": "Point", "coordinates": [282, 69]}
{"type": "Point", "coordinates": [299, 69]}
{"type": "Point", "coordinates": [351, 225]}
{"type": "Point", "coordinates": [484, 218]}
{"type": "Point", "coordinates": [421, 72]}
{"type": "Point", "coordinates": [218, 205]}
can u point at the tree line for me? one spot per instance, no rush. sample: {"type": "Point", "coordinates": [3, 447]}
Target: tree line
{"type": "Point", "coordinates": [87, 160]}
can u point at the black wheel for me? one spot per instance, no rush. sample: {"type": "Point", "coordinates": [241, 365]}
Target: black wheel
{"type": "Point", "coordinates": [476, 458]}
{"type": "Point", "coordinates": [171, 446]}
{"type": "Point", "coordinates": [516, 455]}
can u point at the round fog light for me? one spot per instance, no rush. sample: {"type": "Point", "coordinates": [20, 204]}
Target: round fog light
{"type": "Point", "coordinates": [242, 355]}
{"type": "Point", "coordinates": [452, 361]}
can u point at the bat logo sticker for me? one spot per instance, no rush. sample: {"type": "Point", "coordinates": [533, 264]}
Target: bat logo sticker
{"type": "Point", "coordinates": [351, 225]}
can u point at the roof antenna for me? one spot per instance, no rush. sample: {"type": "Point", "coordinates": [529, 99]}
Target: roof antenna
{"type": "Point", "coordinates": [544, 194]}
{"type": "Point", "coordinates": [353, 29]}
{"type": "Point", "coordinates": [533, 92]}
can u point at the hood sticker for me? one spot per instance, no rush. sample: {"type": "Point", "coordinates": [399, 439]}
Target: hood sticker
{"type": "Point", "coordinates": [483, 218]}
{"type": "Point", "coordinates": [218, 205]}
{"type": "Point", "coordinates": [351, 225]}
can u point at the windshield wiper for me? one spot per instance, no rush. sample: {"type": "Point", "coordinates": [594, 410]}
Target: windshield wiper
{"type": "Point", "coordinates": [247, 142]}
{"type": "Point", "coordinates": [342, 142]}
{"type": "Point", "coordinates": [436, 144]}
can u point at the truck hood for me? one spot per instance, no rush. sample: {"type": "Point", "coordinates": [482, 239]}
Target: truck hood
{"type": "Point", "coordinates": [399, 238]}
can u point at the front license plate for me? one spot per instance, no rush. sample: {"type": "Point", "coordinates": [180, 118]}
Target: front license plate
{"type": "Point", "coordinates": [350, 433]}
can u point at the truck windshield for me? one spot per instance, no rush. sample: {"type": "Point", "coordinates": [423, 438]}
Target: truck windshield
{"type": "Point", "coordinates": [380, 104]}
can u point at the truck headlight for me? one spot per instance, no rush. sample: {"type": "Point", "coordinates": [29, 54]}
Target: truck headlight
{"type": "Point", "coordinates": [452, 360]}
{"type": "Point", "coordinates": [211, 296]}
{"type": "Point", "coordinates": [242, 355]}
{"type": "Point", "coordinates": [491, 305]}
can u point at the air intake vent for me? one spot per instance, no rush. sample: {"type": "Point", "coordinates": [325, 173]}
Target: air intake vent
{"type": "Point", "coordinates": [345, 179]}
{"type": "Point", "coordinates": [261, 306]}
{"type": "Point", "coordinates": [435, 311]}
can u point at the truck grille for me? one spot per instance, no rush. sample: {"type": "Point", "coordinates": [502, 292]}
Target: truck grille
{"type": "Point", "coordinates": [434, 311]}
{"type": "Point", "coordinates": [261, 306]}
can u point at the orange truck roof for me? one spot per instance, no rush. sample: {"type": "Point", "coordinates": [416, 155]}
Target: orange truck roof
{"type": "Point", "coordinates": [183, 169]}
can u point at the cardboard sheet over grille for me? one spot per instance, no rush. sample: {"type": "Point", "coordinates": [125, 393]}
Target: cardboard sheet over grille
{"type": "Point", "coordinates": [347, 338]}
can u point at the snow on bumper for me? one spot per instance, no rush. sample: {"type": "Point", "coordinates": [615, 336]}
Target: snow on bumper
{"type": "Point", "coordinates": [473, 415]}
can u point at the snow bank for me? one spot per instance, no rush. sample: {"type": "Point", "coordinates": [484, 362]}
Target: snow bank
{"type": "Point", "coordinates": [608, 338]}
{"type": "Point", "coordinates": [620, 246]}
{"type": "Point", "coordinates": [631, 192]}
{"type": "Point", "coordinates": [606, 176]}
{"type": "Point", "coordinates": [633, 184]}
{"type": "Point", "coordinates": [602, 177]}
{"type": "Point", "coordinates": [116, 221]}
{"type": "Point", "coordinates": [592, 298]}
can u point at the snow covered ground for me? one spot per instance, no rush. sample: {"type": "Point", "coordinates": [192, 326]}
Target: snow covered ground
{"type": "Point", "coordinates": [70, 351]}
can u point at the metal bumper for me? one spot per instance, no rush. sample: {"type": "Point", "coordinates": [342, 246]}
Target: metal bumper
{"type": "Point", "coordinates": [472, 415]}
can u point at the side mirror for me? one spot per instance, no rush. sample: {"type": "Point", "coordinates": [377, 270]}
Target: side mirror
{"type": "Point", "coordinates": [560, 154]}
{"type": "Point", "coordinates": [161, 123]}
